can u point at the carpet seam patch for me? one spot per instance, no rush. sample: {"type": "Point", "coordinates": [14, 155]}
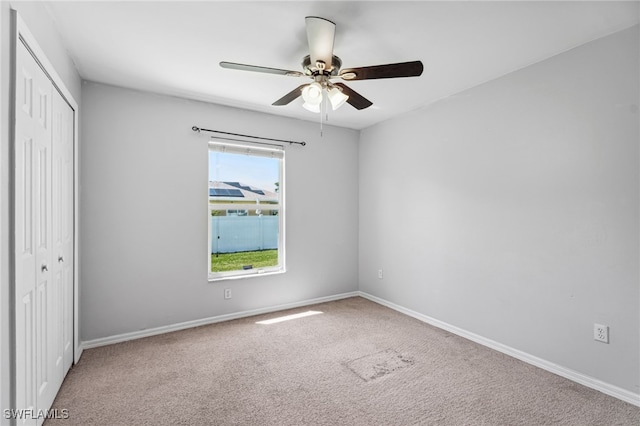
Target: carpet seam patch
{"type": "Point", "coordinates": [379, 364]}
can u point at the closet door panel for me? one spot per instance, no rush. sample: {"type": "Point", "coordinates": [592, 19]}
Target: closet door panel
{"type": "Point", "coordinates": [26, 152]}
{"type": "Point", "coordinates": [34, 290]}
{"type": "Point", "coordinates": [62, 192]}
{"type": "Point", "coordinates": [46, 376]}
{"type": "Point", "coordinates": [66, 259]}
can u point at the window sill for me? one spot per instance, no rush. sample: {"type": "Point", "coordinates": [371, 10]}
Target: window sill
{"type": "Point", "coordinates": [256, 273]}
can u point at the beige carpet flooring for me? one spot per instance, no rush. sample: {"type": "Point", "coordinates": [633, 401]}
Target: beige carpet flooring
{"type": "Point", "coordinates": [357, 363]}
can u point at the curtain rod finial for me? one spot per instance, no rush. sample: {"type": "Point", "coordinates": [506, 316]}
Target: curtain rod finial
{"type": "Point", "coordinates": [195, 129]}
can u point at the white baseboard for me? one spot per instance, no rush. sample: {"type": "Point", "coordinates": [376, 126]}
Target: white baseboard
{"type": "Point", "coordinates": [211, 320]}
{"type": "Point", "coordinates": [599, 385]}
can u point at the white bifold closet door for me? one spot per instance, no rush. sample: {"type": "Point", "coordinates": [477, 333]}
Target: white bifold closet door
{"type": "Point", "coordinates": [43, 238]}
{"type": "Point", "coordinates": [63, 229]}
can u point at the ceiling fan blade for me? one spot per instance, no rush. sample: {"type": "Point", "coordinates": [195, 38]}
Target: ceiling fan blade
{"type": "Point", "coordinates": [254, 68]}
{"type": "Point", "coordinates": [320, 35]}
{"type": "Point", "coordinates": [401, 69]}
{"type": "Point", "coordinates": [356, 100]}
{"type": "Point", "coordinates": [286, 99]}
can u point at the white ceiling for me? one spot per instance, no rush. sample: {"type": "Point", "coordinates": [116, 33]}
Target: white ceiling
{"type": "Point", "coordinates": [174, 47]}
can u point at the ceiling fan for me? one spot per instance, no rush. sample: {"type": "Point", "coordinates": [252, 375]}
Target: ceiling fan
{"type": "Point", "coordinates": [322, 66]}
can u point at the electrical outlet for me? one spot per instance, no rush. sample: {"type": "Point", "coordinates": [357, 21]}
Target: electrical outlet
{"type": "Point", "coordinates": [601, 333]}
{"type": "Point", "coordinates": [380, 273]}
{"type": "Point", "coordinates": [227, 293]}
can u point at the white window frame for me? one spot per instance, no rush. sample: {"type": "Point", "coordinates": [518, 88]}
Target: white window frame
{"type": "Point", "coordinates": [219, 145]}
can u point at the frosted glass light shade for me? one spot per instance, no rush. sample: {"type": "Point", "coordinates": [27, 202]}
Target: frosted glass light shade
{"type": "Point", "coordinates": [312, 94]}
{"type": "Point", "coordinates": [311, 107]}
{"type": "Point", "coordinates": [337, 98]}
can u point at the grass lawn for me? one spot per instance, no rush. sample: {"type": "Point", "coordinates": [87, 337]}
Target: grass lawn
{"type": "Point", "coordinates": [235, 261]}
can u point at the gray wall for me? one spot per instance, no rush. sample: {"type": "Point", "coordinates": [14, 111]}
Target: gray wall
{"type": "Point", "coordinates": [42, 27]}
{"type": "Point", "coordinates": [144, 212]}
{"type": "Point", "coordinates": [511, 210]}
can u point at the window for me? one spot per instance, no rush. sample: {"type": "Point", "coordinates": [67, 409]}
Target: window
{"type": "Point", "coordinates": [246, 210]}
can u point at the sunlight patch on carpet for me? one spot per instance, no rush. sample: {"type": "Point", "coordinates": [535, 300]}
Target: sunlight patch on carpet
{"type": "Point", "coordinates": [379, 364]}
{"type": "Point", "coordinates": [289, 317]}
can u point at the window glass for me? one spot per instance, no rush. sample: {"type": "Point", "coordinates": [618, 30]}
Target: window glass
{"type": "Point", "coordinates": [245, 210]}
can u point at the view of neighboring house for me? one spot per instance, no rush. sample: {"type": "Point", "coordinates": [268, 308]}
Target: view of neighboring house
{"type": "Point", "coordinates": [239, 193]}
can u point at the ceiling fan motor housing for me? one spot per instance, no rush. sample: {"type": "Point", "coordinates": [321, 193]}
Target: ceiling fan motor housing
{"type": "Point", "coordinates": [311, 69]}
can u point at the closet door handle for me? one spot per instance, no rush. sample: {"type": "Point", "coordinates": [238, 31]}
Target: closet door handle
{"type": "Point", "coordinates": [60, 259]}
{"type": "Point", "coordinates": [44, 268]}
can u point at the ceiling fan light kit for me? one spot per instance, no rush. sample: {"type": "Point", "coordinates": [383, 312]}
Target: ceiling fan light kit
{"type": "Point", "coordinates": [336, 97]}
{"type": "Point", "coordinates": [311, 107]}
{"type": "Point", "coordinates": [312, 94]}
{"type": "Point", "coordinates": [321, 65]}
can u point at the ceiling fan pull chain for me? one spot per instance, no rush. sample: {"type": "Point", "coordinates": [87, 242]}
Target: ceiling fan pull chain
{"type": "Point", "coordinates": [322, 104]}
{"type": "Point", "coordinates": [320, 124]}
{"type": "Point", "coordinates": [326, 111]}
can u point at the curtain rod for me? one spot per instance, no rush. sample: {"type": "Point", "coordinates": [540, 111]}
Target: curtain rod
{"type": "Point", "coordinates": [199, 129]}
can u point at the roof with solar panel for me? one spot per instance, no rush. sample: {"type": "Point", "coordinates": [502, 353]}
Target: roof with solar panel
{"type": "Point", "coordinates": [238, 190]}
